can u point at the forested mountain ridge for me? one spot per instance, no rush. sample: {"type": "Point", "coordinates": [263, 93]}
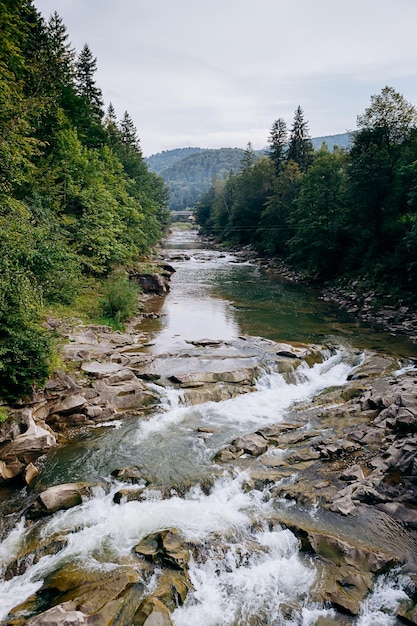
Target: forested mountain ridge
{"type": "Point", "coordinates": [189, 177]}
{"type": "Point", "coordinates": [77, 201]}
{"type": "Point", "coordinates": [189, 172]}
{"type": "Point", "coordinates": [330, 214]}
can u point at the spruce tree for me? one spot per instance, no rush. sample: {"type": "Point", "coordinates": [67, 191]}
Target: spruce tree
{"type": "Point", "coordinates": [300, 149]}
{"type": "Point", "coordinates": [128, 134]}
{"type": "Point", "coordinates": [86, 67]}
{"type": "Point", "coordinates": [278, 144]}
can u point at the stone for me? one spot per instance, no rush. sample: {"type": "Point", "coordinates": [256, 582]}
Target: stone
{"type": "Point", "coordinates": [63, 615]}
{"type": "Point", "coordinates": [152, 613]}
{"type": "Point", "coordinates": [124, 396]}
{"type": "Point", "coordinates": [27, 444]}
{"type": "Point", "coordinates": [71, 404]}
{"type": "Point", "coordinates": [100, 370]}
{"type": "Point", "coordinates": [400, 512]}
{"type": "Point", "coordinates": [343, 505]}
{"type": "Point", "coordinates": [251, 444]}
{"type": "Point", "coordinates": [31, 473]}
{"type": "Point", "coordinates": [60, 497]}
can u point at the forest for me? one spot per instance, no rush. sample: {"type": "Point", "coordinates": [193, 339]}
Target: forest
{"type": "Point", "coordinates": [346, 214]}
{"type": "Point", "coordinates": [78, 205]}
{"type": "Point", "coordinates": [189, 172]}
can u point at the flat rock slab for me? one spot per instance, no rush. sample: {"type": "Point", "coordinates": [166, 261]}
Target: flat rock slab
{"type": "Point", "coordinates": [101, 370]}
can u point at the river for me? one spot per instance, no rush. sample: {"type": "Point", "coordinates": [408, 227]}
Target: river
{"type": "Point", "coordinates": [246, 568]}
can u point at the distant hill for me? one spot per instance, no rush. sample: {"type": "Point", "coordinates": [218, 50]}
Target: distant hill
{"type": "Point", "coordinates": [189, 172]}
{"type": "Point", "coordinates": [342, 141]}
{"type": "Point", "coordinates": [165, 159]}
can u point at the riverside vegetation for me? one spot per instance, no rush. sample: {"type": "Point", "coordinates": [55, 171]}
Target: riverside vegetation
{"type": "Point", "coordinates": [78, 206]}
{"type": "Point", "coordinates": [342, 214]}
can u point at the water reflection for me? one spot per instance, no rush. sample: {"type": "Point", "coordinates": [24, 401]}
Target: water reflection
{"type": "Point", "coordinates": [216, 298]}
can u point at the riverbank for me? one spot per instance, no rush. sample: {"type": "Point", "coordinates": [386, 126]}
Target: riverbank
{"type": "Point", "coordinates": [366, 305]}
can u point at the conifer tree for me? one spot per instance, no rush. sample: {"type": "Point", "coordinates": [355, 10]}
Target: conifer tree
{"type": "Point", "coordinates": [128, 134]}
{"type": "Point", "coordinates": [86, 67]}
{"type": "Point", "coordinates": [278, 144]}
{"type": "Point", "coordinates": [300, 149]}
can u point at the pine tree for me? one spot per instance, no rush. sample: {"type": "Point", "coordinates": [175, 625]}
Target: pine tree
{"type": "Point", "coordinates": [278, 144]}
{"type": "Point", "coordinates": [249, 157]}
{"type": "Point", "coordinates": [86, 67]}
{"type": "Point", "coordinates": [128, 134]}
{"type": "Point", "coordinates": [61, 55]}
{"type": "Point", "coordinates": [300, 149]}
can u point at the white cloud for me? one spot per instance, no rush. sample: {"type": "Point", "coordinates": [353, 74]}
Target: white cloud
{"type": "Point", "coordinates": [215, 73]}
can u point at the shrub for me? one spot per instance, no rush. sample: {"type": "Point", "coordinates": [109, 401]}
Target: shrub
{"type": "Point", "coordinates": [120, 297]}
{"type": "Point", "coordinates": [25, 346]}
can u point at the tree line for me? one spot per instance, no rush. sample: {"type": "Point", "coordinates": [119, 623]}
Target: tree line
{"type": "Point", "coordinates": [77, 201]}
{"type": "Point", "coordinates": [346, 212]}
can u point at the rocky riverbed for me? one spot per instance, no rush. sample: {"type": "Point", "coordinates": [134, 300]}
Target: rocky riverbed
{"type": "Point", "coordinates": [340, 473]}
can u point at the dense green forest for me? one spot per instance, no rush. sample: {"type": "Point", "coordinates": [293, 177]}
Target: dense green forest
{"type": "Point", "coordinates": [78, 205]}
{"type": "Point", "coordinates": [189, 172]}
{"type": "Point", "coordinates": [190, 177]}
{"type": "Point", "coordinates": [346, 212]}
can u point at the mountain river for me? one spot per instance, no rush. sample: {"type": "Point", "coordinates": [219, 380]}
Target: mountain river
{"type": "Point", "coordinates": [247, 568]}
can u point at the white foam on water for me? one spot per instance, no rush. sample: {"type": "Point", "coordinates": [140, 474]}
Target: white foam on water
{"type": "Point", "coordinates": [100, 533]}
{"type": "Point", "coordinates": [247, 580]}
{"type": "Point", "coordinates": [268, 404]}
{"type": "Point", "coordinates": [379, 608]}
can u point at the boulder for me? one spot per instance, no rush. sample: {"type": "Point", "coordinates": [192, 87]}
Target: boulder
{"type": "Point", "coordinates": [26, 444]}
{"type": "Point", "coordinates": [100, 370]}
{"type": "Point", "coordinates": [59, 497]}
{"type": "Point", "coordinates": [152, 283]}
{"type": "Point", "coordinates": [64, 615]}
{"type": "Point", "coordinates": [70, 404]}
{"type": "Point", "coordinates": [167, 548]}
{"type": "Point", "coordinates": [124, 396]}
{"type": "Point", "coordinates": [251, 444]}
{"type": "Point", "coordinates": [152, 613]}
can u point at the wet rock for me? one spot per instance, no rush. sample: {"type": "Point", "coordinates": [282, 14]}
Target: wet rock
{"type": "Point", "coordinates": [251, 444]}
{"type": "Point", "coordinates": [129, 475]}
{"type": "Point", "coordinates": [151, 283]}
{"type": "Point", "coordinates": [245, 376]}
{"type": "Point", "coordinates": [132, 494]}
{"type": "Point", "coordinates": [152, 613]}
{"type": "Point", "coordinates": [31, 473]}
{"type": "Point", "coordinates": [100, 596]}
{"type": "Point", "coordinates": [344, 587]}
{"type": "Point", "coordinates": [57, 498]}
{"type": "Point", "coordinates": [166, 547]}
{"type": "Point", "coordinates": [360, 557]}
{"type": "Point", "coordinates": [404, 513]}
{"type": "Point", "coordinates": [64, 615]}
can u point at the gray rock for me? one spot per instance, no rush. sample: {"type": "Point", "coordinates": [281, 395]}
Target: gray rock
{"type": "Point", "coordinates": [252, 444]}
{"type": "Point", "coordinates": [101, 370]}
{"type": "Point", "coordinates": [71, 404]}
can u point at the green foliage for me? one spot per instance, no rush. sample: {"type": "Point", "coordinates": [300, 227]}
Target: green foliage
{"type": "Point", "coordinates": [25, 347]}
{"type": "Point", "coordinates": [76, 197]}
{"type": "Point", "coordinates": [120, 297]}
{"type": "Point", "coordinates": [346, 212]}
{"type": "Point", "coordinates": [4, 415]}
{"type": "Point", "coordinates": [193, 171]}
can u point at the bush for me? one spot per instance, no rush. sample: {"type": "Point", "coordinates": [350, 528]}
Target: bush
{"type": "Point", "coordinates": [120, 297]}
{"type": "Point", "coordinates": [25, 346]}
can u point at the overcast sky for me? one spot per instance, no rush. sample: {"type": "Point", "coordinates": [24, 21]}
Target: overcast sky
{"type": "Point", "coordinates": [217, 73]}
